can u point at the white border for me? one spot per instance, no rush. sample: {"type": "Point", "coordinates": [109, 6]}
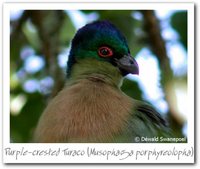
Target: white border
{"type": "Point", "coordinates": [100, 159]}
{"type": "Point", "coordinates": [99, 5]}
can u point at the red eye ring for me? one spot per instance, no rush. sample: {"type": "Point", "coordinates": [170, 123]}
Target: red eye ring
{"type": "Point", "coordinates": [105, 52]}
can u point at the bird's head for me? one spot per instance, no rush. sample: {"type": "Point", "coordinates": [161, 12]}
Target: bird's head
{"type": "Point", "coordinates": [103, 42]}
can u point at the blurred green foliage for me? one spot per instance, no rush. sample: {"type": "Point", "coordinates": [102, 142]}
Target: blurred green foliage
{"type": "Point", "coordinates": [47, 35]}
{"type": "Point", "coordinates": [179, 23]}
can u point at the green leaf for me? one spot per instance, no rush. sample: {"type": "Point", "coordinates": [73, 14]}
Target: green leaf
{"type": "Point", "coordinates": [67, 31]}
{"type": "Point", "coordinates": [22, 126]}
{"type": "Point", "coordinates": [31, 33]}
{"type": "Point", "coordinates": [179, 23]}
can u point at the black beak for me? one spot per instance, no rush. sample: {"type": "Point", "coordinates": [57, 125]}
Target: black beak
{"type": "Point", "coordinates": [127, 64]}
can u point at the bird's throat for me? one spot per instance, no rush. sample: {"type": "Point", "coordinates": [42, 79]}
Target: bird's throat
{"type": "Point", "coordinates": [95, 70]}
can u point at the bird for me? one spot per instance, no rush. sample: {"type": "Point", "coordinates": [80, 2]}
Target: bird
{"type": "Point", "coordinates": [91, 107]}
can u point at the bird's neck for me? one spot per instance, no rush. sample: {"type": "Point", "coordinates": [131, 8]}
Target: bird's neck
{"type": "Point", "coordinates": [95, 70]}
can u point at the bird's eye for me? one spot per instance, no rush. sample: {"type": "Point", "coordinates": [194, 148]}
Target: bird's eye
{"type": "Point", "coordinates": [105, 52]}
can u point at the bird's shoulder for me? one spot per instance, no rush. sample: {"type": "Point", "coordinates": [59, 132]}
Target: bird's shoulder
{"type": "Point", "coordinates": [145, 122]}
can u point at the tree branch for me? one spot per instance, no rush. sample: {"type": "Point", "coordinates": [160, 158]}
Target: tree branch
{"type": "Point", "coordinates": [158, 47]}
{"type": "Point", "coordinates": [48, 24]}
